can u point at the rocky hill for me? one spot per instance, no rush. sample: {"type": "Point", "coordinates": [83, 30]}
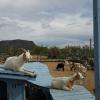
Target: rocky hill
{"type": "Point", "coordinates": [15, 44]}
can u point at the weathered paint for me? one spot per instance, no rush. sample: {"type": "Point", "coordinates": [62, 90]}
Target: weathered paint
{"type": "Point", "coordinates": [8, 74]}
{"type": "Point", "coordinates": [78, 93]}
{"type": "Point", "coordinates": [44, 79]}
{"type": "Point", "coordinates": [15, 84]}
{"type": "Point", "coordinates": [16, 90]}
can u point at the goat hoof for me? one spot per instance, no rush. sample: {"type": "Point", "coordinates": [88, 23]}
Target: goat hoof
{"type": "Point", "coordinates": [35, 76]}
{"type": "Point", "coordinates": [70, 89]}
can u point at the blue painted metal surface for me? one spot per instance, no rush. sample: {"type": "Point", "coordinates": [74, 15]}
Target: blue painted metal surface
{"type": "Point", "coordinates": [16, 90]}
{"type": "Point", "coordinates": [78, 93]}
{"type": "Point", "coordinates": [44, 79]}
{"type": "Point", "coordinates": [8, 74]}
{"type": "Point", "coordinates": [15, 84]}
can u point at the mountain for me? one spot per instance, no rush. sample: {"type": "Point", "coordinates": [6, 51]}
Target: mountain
{"type": "Point", "coordinates": [15, 44]}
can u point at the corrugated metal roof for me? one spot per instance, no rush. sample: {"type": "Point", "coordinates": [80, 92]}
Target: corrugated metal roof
{"type": "Point", "coordinates": [8, 74]}
{"type": "Point", "coordinates": [44, 79]}
{"type": "Point", "coordinates": [78, 93]}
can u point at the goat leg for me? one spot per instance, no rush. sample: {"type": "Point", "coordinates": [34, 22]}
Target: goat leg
{"type": "Point", "coordinates": [28, 72]}
{"type": "Point", "coordinates": [66, 88]}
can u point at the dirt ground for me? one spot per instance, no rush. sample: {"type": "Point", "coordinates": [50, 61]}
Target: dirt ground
{"type": "Point", "coordinates": [88, 83]}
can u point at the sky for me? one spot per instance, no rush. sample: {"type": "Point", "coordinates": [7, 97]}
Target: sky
{"type": "Point", "coordinates": [47, 22]}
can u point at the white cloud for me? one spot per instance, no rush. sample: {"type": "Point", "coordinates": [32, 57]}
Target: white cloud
{"type": "Point", "coordinates": [46, 21]}
{"type": "Point", "coordinates": [61, 27]}
{"type": "Point", "coordinates": [4, 3]}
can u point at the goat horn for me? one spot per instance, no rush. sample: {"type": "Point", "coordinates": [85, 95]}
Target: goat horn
{"type": "Point", "coordinates": [23, 49]}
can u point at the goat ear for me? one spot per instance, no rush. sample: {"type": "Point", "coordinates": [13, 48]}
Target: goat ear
{"type": "Point", "coordinates": [24, 56]}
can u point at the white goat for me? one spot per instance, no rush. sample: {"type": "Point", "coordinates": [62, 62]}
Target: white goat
{"type": "Point", "coordinates": [16, 63]}
{"type": "Point", "coordinates": [77, 67]}
{"type": "Point", "coordinates": [66, 83]}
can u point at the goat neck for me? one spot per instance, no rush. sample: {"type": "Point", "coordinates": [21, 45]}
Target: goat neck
{"type": "Point", "coordinates": [71, 81]}
{"type": "Point", "coordinates": [21, 58]}
{"type": "Point", "coordinates": [74, 77]}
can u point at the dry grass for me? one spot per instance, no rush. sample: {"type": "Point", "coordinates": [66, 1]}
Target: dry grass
{"type": "Point", "coordinates": [88, 83]}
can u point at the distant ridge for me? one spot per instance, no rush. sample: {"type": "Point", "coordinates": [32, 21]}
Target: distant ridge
{"type": "Point", "coordinates": [15, 44]}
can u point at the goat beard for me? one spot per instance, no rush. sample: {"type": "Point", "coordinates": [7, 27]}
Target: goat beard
{"type": "Point", "coordinates": [25, 59]}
